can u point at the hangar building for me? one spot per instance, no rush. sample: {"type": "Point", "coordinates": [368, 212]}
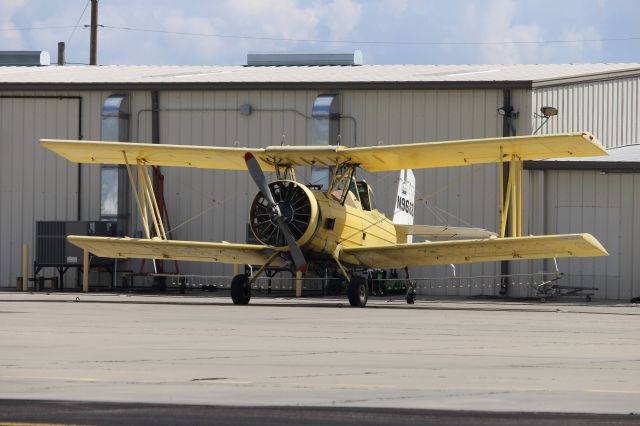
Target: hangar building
{"type": "Point", "coordinates": [372, 104]}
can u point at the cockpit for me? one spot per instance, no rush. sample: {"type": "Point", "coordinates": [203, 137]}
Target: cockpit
{"type": "Point", "coordinates": [367, 199]}
{"type": "Point", "coordinates": [358, 193]}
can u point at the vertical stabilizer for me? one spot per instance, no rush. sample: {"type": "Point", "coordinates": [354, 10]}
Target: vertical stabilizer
{"type": "Point", "coordinates": [405, 200]}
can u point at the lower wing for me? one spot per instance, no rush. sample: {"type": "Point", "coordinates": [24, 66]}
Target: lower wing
{"type": "Point", "coordinates": [251, 254]}
{"type": "Point", "coordinates": [468, 251]}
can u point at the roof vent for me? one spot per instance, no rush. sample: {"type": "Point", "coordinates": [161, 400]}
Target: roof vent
{"type": "Point", "coordinates": [279, 59]}
{"type": "Point", "coordinates": [24, 58]}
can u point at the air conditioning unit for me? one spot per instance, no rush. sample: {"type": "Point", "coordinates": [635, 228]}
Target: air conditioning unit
{"type": "Point", "coordinates": [53, 249]}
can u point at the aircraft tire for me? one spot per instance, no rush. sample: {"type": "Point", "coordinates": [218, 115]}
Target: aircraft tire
{"type": "Point", "coordinates": [240, 290]}
{"type": "Point", "coordinates": [358, 292]}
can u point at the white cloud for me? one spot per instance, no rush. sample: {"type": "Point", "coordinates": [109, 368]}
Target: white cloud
{"type": "Point", "coordinates": [580, 52]}
{"type": "Point", "coordinates": [492, 21]}
{"type": "Point", "coordinates": [340, 17]}
{"type": "Point", "coordinates": [10, 38]}
{"type": "Point", "coordinates": [499, 21]}
{"type": "Point", "coordinates": [429, 20]}
{"type": "Point", "coordinates": [272, 18]}
{"type": "Point", "coordinates": [200, 48]}
{"type": "Point", "coordinates": [277, 19]}
{"type": "Point", "coordinates": [396, 8]}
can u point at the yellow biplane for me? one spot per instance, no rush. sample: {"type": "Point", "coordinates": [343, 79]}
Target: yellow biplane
{"type": "Point", "coordinates": [337, 226]}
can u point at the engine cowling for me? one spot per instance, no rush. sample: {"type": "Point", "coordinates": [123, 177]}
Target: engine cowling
{"type": "Point", "coordinates": [299, 209]}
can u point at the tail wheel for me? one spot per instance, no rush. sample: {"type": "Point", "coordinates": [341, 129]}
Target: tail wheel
{"type": "Point", "coordinates": [240, 290]}
{"type": "Point", "coordinates": [358, 292]}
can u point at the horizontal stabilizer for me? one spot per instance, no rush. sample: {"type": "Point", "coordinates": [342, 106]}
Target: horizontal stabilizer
{"type": "Point", "coordinates": [433, 231]}
{"type": "Point", "coordinates": [471, 251]}
{"type": "Point", "coordinates": [196, 251]}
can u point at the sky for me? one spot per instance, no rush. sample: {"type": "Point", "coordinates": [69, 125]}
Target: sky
{"type": "Point", "coordinates": [221, 32]}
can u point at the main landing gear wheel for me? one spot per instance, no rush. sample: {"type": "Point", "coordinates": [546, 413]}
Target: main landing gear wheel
{"type": "Point", "coordinates": [358, 291]}
{"type": "Point", "coordinates": [240, 290]}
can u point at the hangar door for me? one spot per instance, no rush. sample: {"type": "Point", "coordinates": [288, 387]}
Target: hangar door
{"type": "Point", "coordinates": [35, 184]}
{"type": "Point", "coordinates": [606, 205]}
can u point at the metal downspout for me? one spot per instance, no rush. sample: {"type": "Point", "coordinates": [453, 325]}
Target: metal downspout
{"type": "Point", "coordinates": [158, 265]}
{"type": "Point", "coordinates": [508, 129]}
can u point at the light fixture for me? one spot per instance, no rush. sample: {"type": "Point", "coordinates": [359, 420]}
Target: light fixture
{"type": "Point", "coordinates": [549, 111]}
{"type": "Point", "coordinates": [546, 112]}
{"type": "Point", "coordinates": [508, 111]}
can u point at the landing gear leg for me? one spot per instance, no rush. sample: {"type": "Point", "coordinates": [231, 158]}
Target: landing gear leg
{"type": "Point", "coordinates": [411, 292]}
{"type": "Point", "coordinates": [358, 291]}
{"type": "Point", "coordinates": [241, 283]}
{"type": "Point", "coordinates": [411, 289]}
{"type": "Point", "coordinates": [240, 290]}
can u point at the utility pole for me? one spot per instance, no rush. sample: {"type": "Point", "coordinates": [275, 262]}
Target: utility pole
{"type": "Point", "coordinates": [93, 47]}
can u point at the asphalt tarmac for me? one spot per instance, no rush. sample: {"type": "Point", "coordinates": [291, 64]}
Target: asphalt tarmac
{"type": "Point", "coordinates": [109, 413]}
{"type": "Point", "coordinates": [317, 360]}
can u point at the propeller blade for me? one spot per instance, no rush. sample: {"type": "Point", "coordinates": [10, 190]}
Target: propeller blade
{"type": "Point", "coordinates": [261, 182]}
{"type": "Point", "coordinates": [294, 248]}
{"type": "Point", "coordinates": [258, 177]}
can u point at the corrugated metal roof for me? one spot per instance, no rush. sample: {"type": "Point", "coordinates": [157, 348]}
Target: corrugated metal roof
{"type": "Point", "coordinates": [376, 75]}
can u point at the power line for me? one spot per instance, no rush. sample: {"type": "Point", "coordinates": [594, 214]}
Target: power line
{"type": "Point", "coordinates": [75, 27]}
{"type": "Point", "coordinates": [312, 40]}
{"type": "Point", "coordinates": [56, 27]}
{"type": "Point", "coordinates": [379, 42]}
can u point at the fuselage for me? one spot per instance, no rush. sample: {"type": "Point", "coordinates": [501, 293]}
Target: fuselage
{"type": "Point", "coordinates": [349, 225]}
{"type": "Point", "coordinates": [322, 221]}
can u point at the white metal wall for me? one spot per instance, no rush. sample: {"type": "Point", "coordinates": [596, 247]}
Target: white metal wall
{"type": "Point", "coordinates": [609, 109]}
{"type": "Point", "coordinates": [34, 185]}
{"type": "Point", "coordinates": [606, 205]}
{"type": "Point", "coordinates": [587, 201]}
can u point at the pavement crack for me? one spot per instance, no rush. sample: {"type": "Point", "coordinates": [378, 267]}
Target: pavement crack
{"type": "Point", "coordinates": [306, 376]}
{"type": "Point", "coordinates": [209, 379]}
{"type": "Point", "coordinates": [382, 398]}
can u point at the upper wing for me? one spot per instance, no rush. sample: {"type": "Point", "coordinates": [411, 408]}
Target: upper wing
{"type": "Point", "coordinates": [202, 157]}
{"type": "Point", "coordinates": [468, 251]}
{"type": "Point", "coordinates": [374, 159]}
{"type": "Point", "coordinates": [251, 254]}
{"type": "Point", "coordinates": [475, 151]}
{"type": "Point", "coordinates": [433, 231]}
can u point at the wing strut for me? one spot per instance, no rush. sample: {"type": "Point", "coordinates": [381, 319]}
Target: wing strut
{"type": "Point", "coordinates": [146, 199]}
{"type": "Point", "coordinates": [513, 196]}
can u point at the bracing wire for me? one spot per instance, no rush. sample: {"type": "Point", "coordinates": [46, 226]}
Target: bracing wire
{"type": "Point", "coordinates": [437, 211]}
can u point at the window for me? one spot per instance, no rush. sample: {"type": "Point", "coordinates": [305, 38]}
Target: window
{"type": "Point", "coordinates": [366, 195]}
